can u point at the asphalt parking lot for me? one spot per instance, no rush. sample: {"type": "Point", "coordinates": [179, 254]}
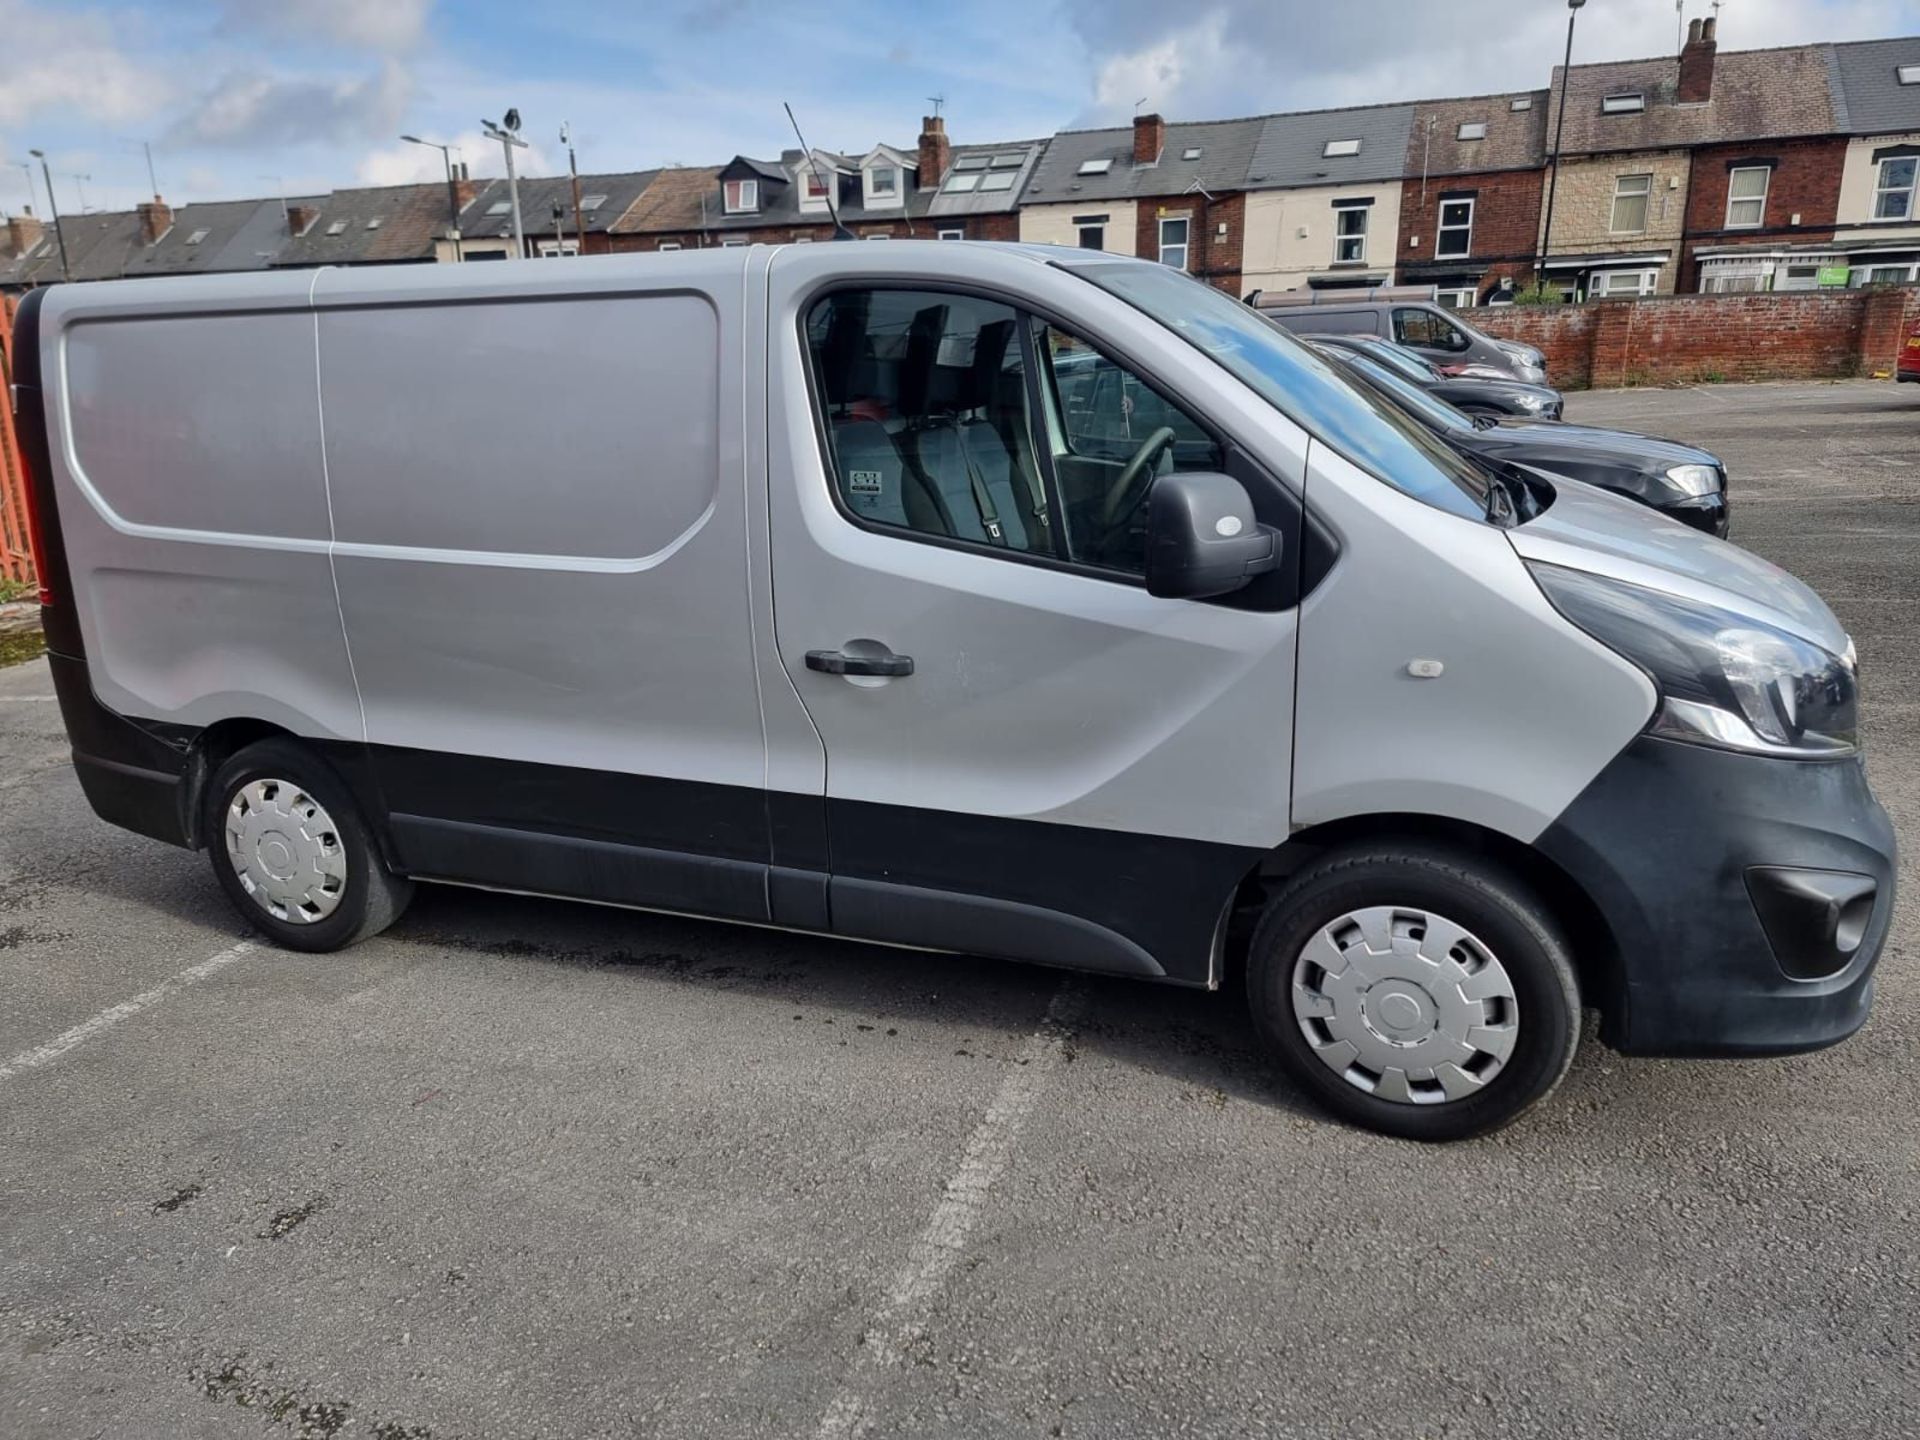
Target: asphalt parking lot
{"type": "Point", "coordinates": [520, 1168]}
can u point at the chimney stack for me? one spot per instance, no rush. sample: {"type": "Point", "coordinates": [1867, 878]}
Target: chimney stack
{"type": "Point", "coordinates": [155, 220]}
{"type": "Point", "coordinates": [1149, 139]}
{"type": "Point", "coordinates": [24, 231]}
{"type": "Point", "coordinates": [1696, 63]}
{"type": "Point", "coordinates": [935, 152]}
{"type": "Point", "coordinates": [300, 218]}
{"type": "Point", "coordinates": [464, 189]}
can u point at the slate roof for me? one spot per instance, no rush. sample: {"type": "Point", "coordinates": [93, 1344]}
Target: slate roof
{"type": "Point", "coordinates": [1515, 139]}
{"type": "Point", "coordinates": [1226, 147]}
{"type": "Point", "coordinates": [539, 195]}
{"type": "Point", "coordinates": [1867, 83]}
{"type": "Point", "coordinates": [382, 224]}
{"type": "Point", "coordinates": [673, 202]}
{"type": "Point", "coordinates": [1757, 95]}
{"type": "Point", "coordinates": [99, 247]}
{"type": "Point", "coordinates": [240, 235]}
{"type": "Point", "coordinates": [1292, 148]}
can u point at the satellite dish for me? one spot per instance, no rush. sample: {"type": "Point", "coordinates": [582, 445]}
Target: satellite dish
{"type": "Point", "coordinates": [512, 121]}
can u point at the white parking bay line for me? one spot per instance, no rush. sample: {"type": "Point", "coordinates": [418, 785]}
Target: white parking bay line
{"type": "Point", "coordinates": [902, 1314]}
{"type": "Point", "coordinates": [108, 1018]}
{"type": "Point", "coordinates": [29, 699]}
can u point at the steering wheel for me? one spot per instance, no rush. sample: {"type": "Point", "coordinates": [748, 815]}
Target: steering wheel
{"type": "Point", "coordinates": [1130, 486]}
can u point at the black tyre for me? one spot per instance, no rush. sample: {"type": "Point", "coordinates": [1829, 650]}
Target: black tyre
{"type": "Point", "coordinates": [1415, 991]}
{"type": "Point", "coordinates": [294, 854]}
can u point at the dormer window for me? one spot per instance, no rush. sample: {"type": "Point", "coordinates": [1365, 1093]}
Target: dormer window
{"type": "Point", "coordinates": [814, 186]}
{"type": "Point", "coordinates": [883, 180]}
{"type": "Point", "coordinates": [740, 197]}
{"type": "Point", "coordinates": [1340, 147]}
{"type": "Point", "coordinates": [1627, 102]}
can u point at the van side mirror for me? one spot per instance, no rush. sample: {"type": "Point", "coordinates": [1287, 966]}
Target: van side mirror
{"type": "Point", "coordinates": [1202, 537]}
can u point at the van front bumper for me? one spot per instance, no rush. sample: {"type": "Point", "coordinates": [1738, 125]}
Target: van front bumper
{"type": "Point", "coordinates": [1748, 898]}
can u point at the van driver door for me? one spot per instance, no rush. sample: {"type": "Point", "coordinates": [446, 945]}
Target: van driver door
{"type": "Point", "coordinates": [1026, 754]}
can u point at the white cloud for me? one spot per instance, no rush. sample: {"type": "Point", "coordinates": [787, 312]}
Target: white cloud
{"type": "Point", "coordinates": [387, 26]}
{"type": "Point", "coordinates": [1161, 73]}
{"type": "Point", "coordinates": [404, 164]}
{"type": "Point", "coordinates": [255, 110]}
{"type": "Point", "coordinates": [69, 61]}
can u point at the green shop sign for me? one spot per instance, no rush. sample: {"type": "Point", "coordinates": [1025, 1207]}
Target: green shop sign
{"type": "Point", "coordinates": [1833, 275]}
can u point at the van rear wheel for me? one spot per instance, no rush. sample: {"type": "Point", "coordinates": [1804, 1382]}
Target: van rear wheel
{"type": "Point", "coordinates": [294, 854]}
{"type": "Point", "coordinates": [1415, 991]}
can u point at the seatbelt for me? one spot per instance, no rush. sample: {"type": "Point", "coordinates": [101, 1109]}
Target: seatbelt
{"type": "Point", "coordinates": [982, 497]}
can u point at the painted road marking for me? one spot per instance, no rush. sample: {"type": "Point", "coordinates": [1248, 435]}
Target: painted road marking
{"type": "Point", "coordinates": [86, 1030]}
{"type": "Point", "coordinates": [902, 1314]}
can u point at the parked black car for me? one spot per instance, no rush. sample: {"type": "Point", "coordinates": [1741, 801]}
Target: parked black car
{"type": "Point", "coordinates": [1472, 394]}
{"type": "Point", "coordinates": [1679, 481]}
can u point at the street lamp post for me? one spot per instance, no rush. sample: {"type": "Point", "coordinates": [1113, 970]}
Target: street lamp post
{"type": "Point", "coordinates": [53, 210]}
{"type": "Point", "coordinates": [1559, 125]}
{"type": "Point", "coordinates": [506, 132]}
{"type": "Point", "coordinates": [453, 197]}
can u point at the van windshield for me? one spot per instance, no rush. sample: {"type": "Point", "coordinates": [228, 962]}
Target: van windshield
{"type": "Point", "coordinates": [1366, 428]}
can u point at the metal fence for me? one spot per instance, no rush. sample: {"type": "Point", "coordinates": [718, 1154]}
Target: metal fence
{"type": "Point", "coordinates": [16, 563]}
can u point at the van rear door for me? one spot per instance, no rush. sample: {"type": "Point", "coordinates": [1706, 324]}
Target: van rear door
{"type": "Point", "coordinates": [1026, 753]}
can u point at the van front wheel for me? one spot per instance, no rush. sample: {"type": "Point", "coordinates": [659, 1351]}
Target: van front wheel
{"type": "Point", "coordinates": [1413, 991]}
{"type": "Point", "coordinates": [292, 852]}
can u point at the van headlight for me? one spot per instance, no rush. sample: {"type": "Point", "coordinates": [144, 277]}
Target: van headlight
{"type": "Point", "coordinates": [1698, 480]}
{"type": "Point", "coordinates": [1725, 679]}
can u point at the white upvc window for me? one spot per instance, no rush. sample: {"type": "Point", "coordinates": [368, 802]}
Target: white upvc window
{"type": "Point", "coordinates": [740, 197]}
{"type": "Point", "coordinates": [668, 245]}
{"type": "Point", "coordinates": [1350, 234]}
{"type": "Point", "coordinates": [732, 241]}
{"type": "Point", "coordinates": [1608, 284]}
{"type": "Point", "coordinates": [883, 180]}
{"type": "Point", "coordinates": [1630, 195]}
{"type": "Point", "coordinates": [814, 183]}
{"type": "Point", "coordinates": [1174, 233]}
{"type": "Point", "coordinates": [951, 234]}
{"type": "Point", "coordinates": [1747, 196]}
{"type": "Point", "coordinates": [555, 249]}
{"type": "Point", "coordinates": [1455, 235]}
{"type": "Point", "coordinates": [1457, 298]}
{"type": "Point", "coordinates": [1893, 188]}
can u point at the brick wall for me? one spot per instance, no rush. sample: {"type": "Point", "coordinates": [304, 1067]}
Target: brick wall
{"type": "Point", "coordinates": [977, 227]}
{"type": "Point", "coordinates": [1506, 222]}
{"type": "Point", "coordinates": [1689, 338]}
{"type": "Point", "coordinates": [1211, 256]}
{"type": "Point", "coordinates": [1583, 207]}
{"type": "Point", "coordinates": [1805, 182]}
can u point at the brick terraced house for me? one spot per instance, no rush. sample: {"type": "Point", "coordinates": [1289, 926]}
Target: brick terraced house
{"type": "Point", "coordinates": [1470, 203]}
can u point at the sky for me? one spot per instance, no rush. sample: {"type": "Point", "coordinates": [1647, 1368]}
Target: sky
{"type": "Point", "coordinates": [243, 98]}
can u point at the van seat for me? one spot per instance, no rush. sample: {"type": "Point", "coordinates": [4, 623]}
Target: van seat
{"type": "Point", "coordinates": [877, 483]}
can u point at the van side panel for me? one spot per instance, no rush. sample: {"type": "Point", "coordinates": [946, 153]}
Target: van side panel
{"type": "Point", "coordinates": [187, 469]}
{"type": "Point", "coordinates": [544, 577]}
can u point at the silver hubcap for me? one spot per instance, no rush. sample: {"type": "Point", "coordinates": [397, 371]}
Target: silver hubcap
{"type": "Point", "coordinates": [286, 851]}
{"type": "Point", "coordinates": [1405, 1005]}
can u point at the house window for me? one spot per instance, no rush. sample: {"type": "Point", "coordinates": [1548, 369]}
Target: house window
{"type": "Point", "coordinates": [1521, 102]}
{"type": "Point", "coordinates": [740, 196]}
{"type": "Point", "coordinates": [668, 245]}
{"type": "Point", "coordinates": [883, 180]}
{"type": "Point", "coordinates": [197, 236]}
{"type": "Point", "coordinates": [959, 182]}
{"type": "Point", "coordinates": [1455, 237]}
{"type": "Point", "coordinates": [1192, 152]}
{"type": "Point", "coordinates": [554, 249]}
{"type": "Point", "coordinates": [732, 241]}
{"type": "Point", "coordinates": [1350, 235]}
{"type": "Point", "coordinates": [1471, 130]}
{"type": "Point", "coordinates": [1909, 74]}
{"type": "Point", "coordinates": [1012, 161]}
{"type": "Point", "coordinates": [1173, 241]}
{"type": "Point", "coordinates": [500, 207]}
{"type": "Point", "coordinates": [1626, 103]}
{"type": "Point", "coordinates": [815, 187]}
{"type": "Point", "coordinates": [1092, 231]}
{"type": "Point", "coordinates": [338, 227]}
{"type": "Point", "coordinates": [1341, 147]}
{"type": "Point", "coordinates": [1613, 283]}
{"type": "Point", "coordinates": [1893, 191]}
{"type": "Point", "coordinates": [591, 202]}
{"type": "Point", "coordinates": [1747, 196]}
{"type": "Point", "coordinates": [1630, 194]}
{"type": "Point", "coordinates": [952, 234]}
{"type": "Point", "coordinates": [1461, 298]}
{"type": "Point", "coordinates": [998, 180]}
{"type": "Point", "coordinates": [1094, 167]}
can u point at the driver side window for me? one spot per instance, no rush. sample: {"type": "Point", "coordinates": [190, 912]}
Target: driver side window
{"type": "Point", "coordinates": [1104, 420]}
{"type": "Point", "coordinates": [1428, 331]}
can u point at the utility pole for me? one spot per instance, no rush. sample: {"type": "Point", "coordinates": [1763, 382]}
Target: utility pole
{"type": "Point", "coordinates": [1559, 126]}
{"type": "Point", "coordinates": [507, 133]}
{"type": "Point", "coordinates": [573, 170]}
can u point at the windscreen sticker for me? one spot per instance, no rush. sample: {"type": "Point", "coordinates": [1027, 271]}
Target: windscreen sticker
{"type": "Point", "coordinates": [864, 482]}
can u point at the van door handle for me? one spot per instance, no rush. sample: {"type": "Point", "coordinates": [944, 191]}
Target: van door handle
{"type": "Point", "coordinates": [838, 662]}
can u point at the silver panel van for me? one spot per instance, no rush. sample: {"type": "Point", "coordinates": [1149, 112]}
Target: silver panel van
{"type": "Point", "coordinates": [1027, 602]}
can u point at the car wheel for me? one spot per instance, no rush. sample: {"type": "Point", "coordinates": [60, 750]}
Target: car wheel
{"type": "Point", "coordinates": [293, 852]}
{"type": "Point", "coordinates": [1414, 991]}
